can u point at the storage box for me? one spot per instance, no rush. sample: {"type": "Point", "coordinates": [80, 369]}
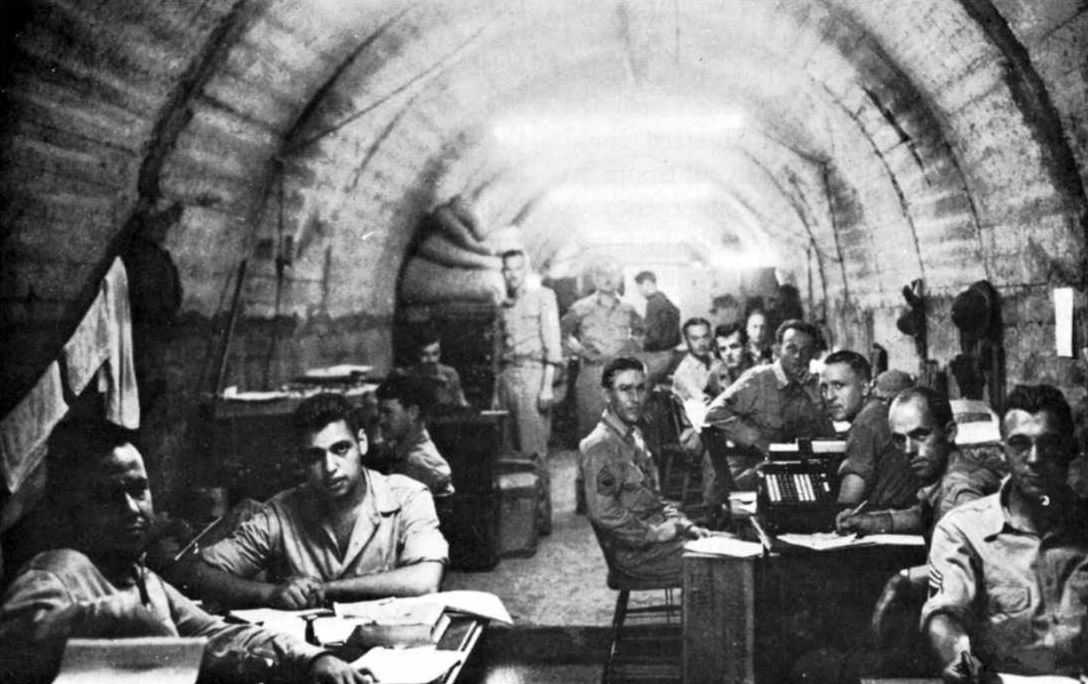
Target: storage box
{"type": "Point", "coordinates": [519, 494]}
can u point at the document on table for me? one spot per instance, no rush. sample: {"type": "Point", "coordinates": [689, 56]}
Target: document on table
{"type": "Point", "coordinates": [171, 660]}
{"type": "Point", "coordinates": [479, 603]}
{"type": "Point", "coordinates": [1037, 679]}
{"type": "Point", "coordinates": [407, 665]}
{"type": "Point", "coordinates": [291, 622]}
{"type": "Point", "coordinates": [824, 541]}
{"type": "Point", "coordinates": [724, 546]}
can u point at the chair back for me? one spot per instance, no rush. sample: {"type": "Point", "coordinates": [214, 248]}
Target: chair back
{"type": "Point", "coordinates": [618, 579]}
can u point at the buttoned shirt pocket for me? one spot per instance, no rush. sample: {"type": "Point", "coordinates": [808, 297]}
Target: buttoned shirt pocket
{"type": "Point", "coordinates": [1006, 600]}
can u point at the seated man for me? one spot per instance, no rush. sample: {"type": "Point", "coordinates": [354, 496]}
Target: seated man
{"type": "Point", "coordinates": [776, 402]}
{"type": "Point", "coordinates": [695, 382]}
{"type": "Point", "coordinates": [445, 379]}
{"type": "Point", "coordinates": [731, 341]}
{"type": "Point", "coordinates": [402, 407]}
{"type": "Point", "coordinates": [1008, 573]}
{"type": "Point", "coordinates": [348, 533]}
{"type": "Point", "coordinates": [643, 535]}
{"type": "Point", "coordinates": [98, 587]}
{"type": "Point", "coordinates": [874, 469]}
{"type": "Point", "coordinates": [922, 425]}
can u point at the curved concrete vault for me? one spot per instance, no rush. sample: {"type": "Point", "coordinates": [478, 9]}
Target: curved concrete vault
{"type": "Point", "coordinates": [881, 141]}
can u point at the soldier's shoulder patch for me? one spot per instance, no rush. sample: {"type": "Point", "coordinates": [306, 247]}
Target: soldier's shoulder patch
{"type": "Point", "coordinates": [606, 480]}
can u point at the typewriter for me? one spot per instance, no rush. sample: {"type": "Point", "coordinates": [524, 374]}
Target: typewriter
{"type": "Point", "coordinates": [796, 487]}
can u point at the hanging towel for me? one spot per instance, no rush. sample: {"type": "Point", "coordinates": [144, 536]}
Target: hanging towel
{"type": "Point", "coordinates": [117, 376]}
{"type": "Point", "coordinates": [23, 432]}
{"type": "Point", "coordinates": [89, 347]}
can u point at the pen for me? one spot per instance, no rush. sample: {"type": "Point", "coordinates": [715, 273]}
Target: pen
{"type": "Point", "coordinates": [861, 507]}
{"type": "Point", "coordinates": [142, 585]}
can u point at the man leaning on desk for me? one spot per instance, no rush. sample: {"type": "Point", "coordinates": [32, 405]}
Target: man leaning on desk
{"type": "Point", "coordinates": [98, 588]}
{"type": "Point", "coordinates": [347, 533]}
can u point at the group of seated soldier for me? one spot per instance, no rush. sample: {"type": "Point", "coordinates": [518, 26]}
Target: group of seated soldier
{"type": "Point", "coordinates": [1006, 587]}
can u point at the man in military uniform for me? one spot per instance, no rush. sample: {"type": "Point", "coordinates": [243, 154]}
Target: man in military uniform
{"type": "Point", "coordinates": [642, 534]}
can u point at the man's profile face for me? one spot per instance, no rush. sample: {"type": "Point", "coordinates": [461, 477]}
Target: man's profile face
{"type": "Point", "coordinates": [731, 350]}
{"type": "Point", "coordinates": [797, 350]}
{"type": "Point", "coordinates": [646, 288]}
{"type": "Point", "coordinates": [756, 327]}
{"type": "Point", "coordinates": [627, 395]}
{"type": "Point", "coordinates": [430, 354]}
{"type": "Point", "coordinates": [1037, 452]}
{"type": "Point", "coordinates": [514, 271]}
{"type": "Point", "coordinates": [915, 431]}
{"type": "Point", "coordinates": [116, 513]}
{"type": "Point", "coordinates": [332, 457]}
{"type": "Point", "coordinates": [843, 390]}
{"type": "Point", "coordinates": [698, 340]}
{"type": "Point", "coordinates": [395, 419]}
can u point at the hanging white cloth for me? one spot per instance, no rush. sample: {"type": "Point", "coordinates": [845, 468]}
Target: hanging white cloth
{"type": "Point", "coordinates": [24, 431]}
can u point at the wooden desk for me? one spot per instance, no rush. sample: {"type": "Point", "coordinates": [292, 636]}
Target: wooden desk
{"type": "Point", "coordinates": [747, 620]}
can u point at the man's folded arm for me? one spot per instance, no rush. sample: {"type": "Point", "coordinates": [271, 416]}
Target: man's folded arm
{"type": "Point", "coordinates": [419, 578]}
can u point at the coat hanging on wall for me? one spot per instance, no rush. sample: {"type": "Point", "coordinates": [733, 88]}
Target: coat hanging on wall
{"type": "Point", "coordinates": [980, 367]}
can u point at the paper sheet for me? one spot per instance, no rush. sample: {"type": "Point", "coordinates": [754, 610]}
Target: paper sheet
{"type": "Point", "coordinates": [724, 546]}
{"type": "Point", "coordinates": [166, 660]}
{"type": "Point", "coordinates": [407, 665]}
{"type": "Point", "coordinates": [1063, 321]}
{"type": "Point", "coordinates": [479, 603]}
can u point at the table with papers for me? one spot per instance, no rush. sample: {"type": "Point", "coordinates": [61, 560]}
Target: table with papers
{"type": "Point", "coordinates": [749, 613]}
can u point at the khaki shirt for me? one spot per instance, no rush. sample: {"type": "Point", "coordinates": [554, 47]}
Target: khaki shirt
{"type": "Point", "coordinates": [529, 328]}
{"type": "Point", "coordinates": [605, 327]}
{"type": "Point", "coordinates": [61, 594]}
{"type": "Point", "coordinates": [446, 381]}
{"type": "Point", "coordinates": [765, 406]}
{"type": "Point", "coordinates": [693, 379]}
{"type": "Point", "coordinates": [622, 492]}
{"type": "Point", "coordinates": [1021, 595]}
{"type": "Point", "coordinates": [397, 526]}
{"type": "Point", "coordinates": [418, 458]}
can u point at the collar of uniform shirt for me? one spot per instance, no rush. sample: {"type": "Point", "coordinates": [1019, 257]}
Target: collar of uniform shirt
{"type": "Point", "coordinates": [785, 380]}
{"type": "Point", "coordinates": [625, 431]}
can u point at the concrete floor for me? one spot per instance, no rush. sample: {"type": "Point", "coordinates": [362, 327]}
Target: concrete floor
{"type": "Point", "coordinates": [561, 606]}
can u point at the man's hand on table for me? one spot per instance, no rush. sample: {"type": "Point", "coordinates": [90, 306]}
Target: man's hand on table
{"type": "Point", "coordinates": [297, 593]}
{"type": "Point", "coordinates": [965, 668]}
{"type": "Point", "coordinates": [328, 669]}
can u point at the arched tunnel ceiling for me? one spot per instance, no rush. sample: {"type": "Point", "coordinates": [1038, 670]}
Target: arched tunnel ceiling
{"type": "Point", "coordinates": [918, 129]}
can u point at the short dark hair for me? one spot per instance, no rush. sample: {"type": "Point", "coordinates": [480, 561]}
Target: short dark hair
{"type": "Point", "coordinates": [77, 447]}
{"type": "Point", "coordinates": [692, 322]}
{"type": "Point", "coordinates": [1038, 398]}
{"type": "Point", "coordinates": [800, 326]}
{"type": "Point", "coordinates": [511, 253]}
{"type": "Point", "coordinates": [409, 391]}
{"type": "Point", "coordinates": [315, 412]}
{"type": "Point", "coordinates": [425, 337]}
{"type": "Point", "coordinates": [936, 402]}
{"type": "Point", "coordinates": [644, 276]}
{"type": "Point", "coordinates": [730, 329]}
{"type": "Point", "coordinates": [858, 363]}
{"type": "Point", "coordinates": [724, 301]}
{"type": "Point", "coordinates": [618, 365]}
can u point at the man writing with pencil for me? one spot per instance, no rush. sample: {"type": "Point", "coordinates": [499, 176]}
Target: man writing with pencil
{"type": "Point", "coordinates": [99, 588]}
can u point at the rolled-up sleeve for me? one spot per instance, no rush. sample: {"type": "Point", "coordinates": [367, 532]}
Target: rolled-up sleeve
{"type": "Point", "coordinates": [250, 548]}
{"type": "Point", "coordinates": [549, 328]}
{"type": "Point", "coordinates": [420, 538]}
{"type": "Point", "coordinates": [731, 412]}
{"type": "Point", "coordinates": [953, 576]}
{"type": "Point", "coordinates": [862, 446]}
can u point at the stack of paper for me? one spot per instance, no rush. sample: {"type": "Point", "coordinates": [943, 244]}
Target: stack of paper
{"type": "Point", "coordinates": [479, 603]}
{"type": "Point", "coordinates": [407, 665]}
{"type": "Point", "coordinates": [171, 660]}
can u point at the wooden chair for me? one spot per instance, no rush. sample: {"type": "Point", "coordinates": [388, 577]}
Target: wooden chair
{"type": "Point", "coordinates": [656, 669]}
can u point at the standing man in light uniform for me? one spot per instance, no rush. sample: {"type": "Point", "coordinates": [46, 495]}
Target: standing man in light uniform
{"type": "Point", "coordinates": [528, 350]}
{"type": "Point", "coordinates": [597, 329]}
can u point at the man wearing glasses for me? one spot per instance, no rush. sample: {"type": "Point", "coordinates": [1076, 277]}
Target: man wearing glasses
{"type": "Point", "coordinates": [347, 533]}
{"type": "Point", "coordinates": [1008, 574]}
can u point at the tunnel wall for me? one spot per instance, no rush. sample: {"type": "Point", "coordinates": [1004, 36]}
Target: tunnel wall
{"type": "Point", "coordinates": [114, 113]}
